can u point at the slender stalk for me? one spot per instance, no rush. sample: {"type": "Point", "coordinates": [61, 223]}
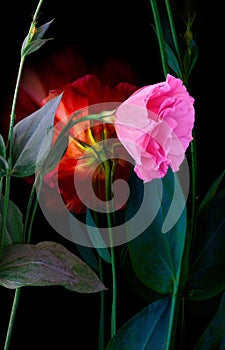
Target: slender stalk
{"type": "Point", "coordinates": [19, 76]}
{"type": "Point", "coordinates": [173, 30]}
{"type": "Point", "coordinates": [11, 125]}
{"type": "Point", "coordinates": [193, 143]}
{"type": "Point", "coordinates": [12, 318]}
{"type": "Point", "coordinates": [8, 177]}
{"type": "Point", "coordinates": [114, 299]}
{"type": "Point", "coordinates": [159, 33]}
{"type": "Point", "coordinates": [108, 185]}
{"type": "Point", "coordinates": [194, 191]}
{"type": "Point", "coordinates": [175, 304]}
{"type": "Point", "coordinates": [101, 344]}
{"type": "Point", "coordinates": [182, 273]}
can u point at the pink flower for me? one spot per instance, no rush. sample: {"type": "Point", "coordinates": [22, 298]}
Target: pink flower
{"type": "Point", "coordinates": [155, 126]}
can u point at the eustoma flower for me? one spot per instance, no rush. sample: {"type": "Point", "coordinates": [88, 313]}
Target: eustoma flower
{"type": "Point", "coordinates": [155, 125]}
{"type": "Point", "coordinates": [86, 152]}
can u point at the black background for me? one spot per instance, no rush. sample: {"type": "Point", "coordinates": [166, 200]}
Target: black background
{"type": "Point", "coordinates": [53, 317]}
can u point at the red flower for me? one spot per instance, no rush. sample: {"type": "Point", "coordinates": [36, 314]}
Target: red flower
{"type": "Point", "coordinates": [87, 142]}
{"type": "Point", "coordinates": [66, 71]}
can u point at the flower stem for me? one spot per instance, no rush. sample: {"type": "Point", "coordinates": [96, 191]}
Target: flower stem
{"type": "Point", "coordinates": [173, 30]}
{"type": "Point", "coordinates": [10, 133]}
{"type": "Point", "coordinates": [12, 318]}
{"type": "Point", "coordinates": [175, 304]}
{"type": "Point", "coordinates": [114, 299]}
{"type": "Point", "coordinates": [101, 345]}
{"type": "Point", "coordinates": [108, 186]}
{"type": "Point", "coordinates": [159, 33]}
{"type": "Point", "coordinates": [8, 176]}
{"type": "Point", "coordinates": [183, 271]}
{"type": "Point", "coordinates": [194, 193]}
{"type": "Point", "coordinates": [8, 180]}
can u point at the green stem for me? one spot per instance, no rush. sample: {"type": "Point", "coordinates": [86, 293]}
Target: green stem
{"type": "Point", "coordinates": [4, 211]}
{"type": "Point", "coordinates": [175, 304]}
{"type": "Point", "coordinates": [8, 176]}
{"type": "Point", "coordinates": [114, 299]}
{"type": "Point", "coordinates": [173, 30]}
{"type": "Point", "coordinates": [12, 318]}
{"type": "Point", "coordinates": [13, 114]}
{"type": "Point", "coordinates": [194, 191]}
{"type": "Point", "coordinates": [102, 311]}
{"type": "Point", "coordinates": [182, 274]}
{"type": "Point", "coordinates": [159, 33]}
{"type": "Point", "coordinates": [10, 133]}
{"type": "Point", "coordinates": [8, 179]}
{"type": "Point", "coordinates": [108, 186]}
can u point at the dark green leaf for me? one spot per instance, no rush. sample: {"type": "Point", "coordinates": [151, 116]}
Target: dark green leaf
{"type": "Point", "coordinates": [148, 330]}
{"type": "Point", "coordinates": [32, 138]}
{"type": "Point", "coordinates": [173, 61]}
{"type": "Point", "coordinates": [96, 238]}
{"type": "Point", "coordinates": [212, 191]}
{"type": "Point", "coordinates": [3, 162]}
{"type": "Point", "coordinates": [45, 264]}
{"type": "Point", "coordinates": [87, 254]}
{"type": "Point", "coordinates": [214, 335]}
{"type": "Point", "coordinates": [14, 223]}
{"type": "Point", "coordinates": [137, 288]}
{"type": "Point", "coordinates": [156, 256]}
{"type": "Point", "coordinates": [3, 166]}
{"type": "Point", "coordinates": [207, 276]}
{"type": "Point", "coordinates": [2, 147]}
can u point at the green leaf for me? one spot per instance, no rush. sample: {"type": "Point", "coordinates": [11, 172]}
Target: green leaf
{"type": "Point", "coordinates": [2, 147]}
{"type": "Point", "coordinates": [60, 145]}
{"type": "Point", "coordinates": [206, 277]}
{"type": "Point", "coordinates": [14, 223]}
{"type": "Point", "coordinates": [146, 330]}
{"type": "Point", "coordinates": [33, 40]}
{"type": "Point", "coordinates": [3, 162]}
{"type": "Point", "coordinates": [3, 166]}
{"type": "Point", "coordinates": [34, 46]}
{"type": "Point", "coordinates": [214, 335]}
{"type": "Point", "coordinates": [96, 238]}
{"type": "Point", "coordinates": [212, 191]}
{"type": "Point", "coordinates": [87, 254]}
{"type": "Point", "coordinates": [32, 138]}
{"type": "Point", "coordinates": [45, 264]}
{"type": "Point", "coordinates": [136, 287]}
{"type": "Point", "coordinates": [173, 61]}
{"type": "Point", "coordinates": [155, 256]}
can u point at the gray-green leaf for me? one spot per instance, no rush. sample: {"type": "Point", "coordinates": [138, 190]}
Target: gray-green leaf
{"type": "Point", "coordinates": [33, 44]}
{"type": "Point", "coordinates": [14, 223]}
{"type": "Point", "coordinates": [32, 138]}
{"type": "Point", "coordinates": [45, 264]}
